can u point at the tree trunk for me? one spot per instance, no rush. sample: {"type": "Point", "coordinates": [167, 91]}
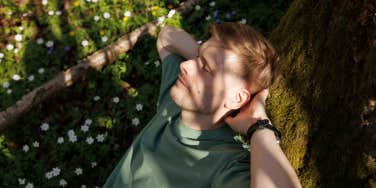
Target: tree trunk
{"type": "Point", "coordinates": [326, 98]}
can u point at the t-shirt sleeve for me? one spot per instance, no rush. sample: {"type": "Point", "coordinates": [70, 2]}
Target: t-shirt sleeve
{"type": "Point", "coordinates": [235, 174]}
{"type": "Point", "coordinates": [170, 72]}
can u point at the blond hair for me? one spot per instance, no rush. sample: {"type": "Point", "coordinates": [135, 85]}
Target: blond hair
{"type": "Point", "coordinates": [257, 56]}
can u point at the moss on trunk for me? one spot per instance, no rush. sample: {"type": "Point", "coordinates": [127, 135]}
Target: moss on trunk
{"type": "Point", "coordinates": [325, 100]}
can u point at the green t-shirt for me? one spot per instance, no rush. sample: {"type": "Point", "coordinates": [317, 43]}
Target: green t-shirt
{"type": "Point", "coordinates": [167, 153]}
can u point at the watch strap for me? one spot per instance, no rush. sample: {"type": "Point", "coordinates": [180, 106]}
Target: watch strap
{"type": "Point", "coordinates": [263, 124]}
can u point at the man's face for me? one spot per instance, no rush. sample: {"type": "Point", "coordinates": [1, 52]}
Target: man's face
{"type": "Point", "coordinates": [206, 82]}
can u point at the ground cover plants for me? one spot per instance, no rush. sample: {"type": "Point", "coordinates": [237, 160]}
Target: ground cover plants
{"type": "Point", "coordinates": [76, 137]}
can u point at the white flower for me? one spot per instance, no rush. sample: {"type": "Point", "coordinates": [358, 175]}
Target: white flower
{"type": "Point", "coordinates": [135, 121]}
{"type": "Point", "coordinates": [31, 78]}
{"type": "Point", "coordinates": [36, 144]}
{"type": "Point", "coordinates": [41, 70]}
{"type": "Point", "coordinates": [199, 42]}
{"type": "Point", "coordinates": [115, 99]}
{"type": "Point", "coordinates": [21, 28]}
{"type": "Point", "coordinates": [84, 43]}
{"type": "Point", "coordinates": [50, 43]}
{"type": "Point", "coordinates": [44, 126]}
{"type": "Point", "coordinates": [63, 183]}
{"type": "Point", "coordinates": [104, 39]}
{"type": "Point", "coordinates": [100, 137]}
{"type": "Point", "coordinates": [18, 37]}
{"type": "Point", "coordinates": [208, 17]}
{"type": "Point", "coordinates": [197, 7]}
{"type": "Point", "coordinates": [88, 1]}
{"type": "Point", "coordinates": [49, 175]}
{"type": "Point", "coordinates": [94, 1]}
{"type": "Point", "coordinates": [6, 84]}
{"type": "Point", "coordinates": [78, 171]}
{"type": "Point", "coordinates": [88, 121]}
{"type": "Point", "coordinates": [60, 140]}
{"type": "Point", "coordinates": [139, 107]}
{"type": "Point", "coordinates": [212, 4]}
{"type": "Point", "coordinates": [96, 18]}
{"type": "Point", "coordinates": [16, 77]}
{"type": "Point", "coordinates": [83, 186]}
{"type": "Point", "coordinates": [9, 91]}
{"type": "Point", "coordinates": [29, 185]}
{"type": "Point", "coordinates": [89, 140]}
{"type": "Point", "coordinates": [44, 2]}
{"type": "Point", "coordinates": [58, 12]}
{"type": "Point", "coordinates": [84, 128]}
{"type": "Point", "coordinates": [106, 15]}
{"type": "Point", "coordinates": [93, 164]}
{"type": "Point", "coordinates": [96, 98]}
{"type": "Point", "coordinates": [15, 50]}
{"type": "Point", "coordinates": [40, 41]}
{"type": "Point", "coordinates": [243, 21]}
{"type": "Point", "coordinates": [73, 138]}
{"type": "Point", "coordinates": [71, 133]}
{"type": "Point", "coordinates": [10, 47]}
{"type": "Point", "coordinates": [157, 63]}
{"type": "Point", "coordinates": [1, 55]}
{"type": "Point", "coordinates": [51, 12]}
{"type": "Point", "coordinates": [127, 13]}
{"type": "Point", "coordinates": [171, 13]}
{"type": "Point", "coordinates": [25, 148]}
{"type": "Point", "coordinates": [21, 181]}
{"type": "Point", "coordinates": [56, 171]}
{"type": "Point", "coordinates": [161, 19]}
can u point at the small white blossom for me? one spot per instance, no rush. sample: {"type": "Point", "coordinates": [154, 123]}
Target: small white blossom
{"type": "Point", "coordinates": [208, 17]}
{"type": "Point", "coordinates": [100, 137]}
{"type": "Point", "coordinates": [9, 91]}
{"type": "Point", "coordinates": [41, 70]}
{"type": "Point", "coordinates": [16, 77]}
{"type": "Point", "coordinates": [88, 121]}
{"type": "Point", "coordinates": [56, 171]}
{"type": "Point", "coordinates": [93, 164]}
{"type": "Point", "coordinates": [21, 28]}
{"type": "Point", "coordinates": [15, 50]}
{"type": "Point", "coordinates": [44, 2]}
{"type": "Point", "coordinates": [10, 47]}
{"type": "Point", "coordinates": [71, 133]}
{"type": "Point", "coordinates": [31, 78]}
{"type": "Point", "coordinates": [106, 15]}
{"type": "Point", "coordinates": [212, 4]}
{"type": "Point", "coordinates": [21, 181]}
{"type": "Point", "coordinates": [84, 128]}
{"type": "Point", "coordinates": [139, 107]}
{"type": "Point", "coordinates": [1, 55]}
{"type": "Point", "coordinates": [89, 140]}
{"type": "Point", "coordinates": [84, 43]}
{"type": "Point", "coordinates": [88, 1]}
{"type": "Point", "coordinates": [199, 42]}
{"type": "Point", "coordinates": [6, 84]}
{"type": "Point", "coordinates": [104, 39]}
{"type": "Point", "coordinates": [50, 43]}
{"type": "Point", "coordinates": [157, 63]}
{"type": "Point", "coordinates": [73, 138]}
{"type": "Point", "coordinates": [29, 185]}
{"type": "Point", "coordinates": [94, 1]}
{"type": "Point", "coordinates": [25, 148]}
{"type": "Point", "coordinates": [97, 98]}
{"type": "Point", "coordinates": [197, 7]}
{"type": "Point", "coordinates": [44, 126]}
{"type": "Point", "coordinates": [58, 12]}
{"type": "Point", "coordinates": [83, 186]}
{"type": "Point", "coordinates": [48, 175]}
{"type": "Point", "coordinates": [127, 13]}
{"type": "Point", "coordinates": [243, 21]}
{"type": "Point", "coordinates": [96, 18]}
{"type": "Point", "coordinates": [60, 140]}
{"type": "Point", "coordinates": [161, 19]}
{"type": "Point", "coordinates": [18, 37]}
{"type": "Point", "coordinates": [63, 183]}
{"type": "Point", "coordinates": [135, 121]}
{"type": "Point", "coordinates": [78, 171]}
{"type": "Point", "coordinates": [115, 99]}
{"type": "Point", "coordinates": [171, 13]}
{"type": "Point", "coordinates": [36, 144]}
{"type": "Point", "coordinates": [40, 41]}
{"type": "Point", "coordinates": [51, 12]}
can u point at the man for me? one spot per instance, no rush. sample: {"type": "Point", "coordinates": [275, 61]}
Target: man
{"type": "Point", "coordinates": [189, 142]}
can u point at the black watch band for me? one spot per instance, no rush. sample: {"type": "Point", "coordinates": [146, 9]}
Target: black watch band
{"type": "Point", "coordinates": [263, 124]}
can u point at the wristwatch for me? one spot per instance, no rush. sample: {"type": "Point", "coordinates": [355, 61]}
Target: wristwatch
{"type": "Point", "coordinates": [263, 124]}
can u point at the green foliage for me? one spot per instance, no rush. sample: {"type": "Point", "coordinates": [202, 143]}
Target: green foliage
{"type": "Point", "coordinates": [54, 37]}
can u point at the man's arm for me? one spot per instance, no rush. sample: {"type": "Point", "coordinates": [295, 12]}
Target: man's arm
{"type": "Point", "coordinates": [269, 165]}
{"type": "Point", "coordinates": [174, 40]}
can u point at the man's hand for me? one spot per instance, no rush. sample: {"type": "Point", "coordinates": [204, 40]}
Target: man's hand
{"type": "Point", "coordinates": [249, 113]}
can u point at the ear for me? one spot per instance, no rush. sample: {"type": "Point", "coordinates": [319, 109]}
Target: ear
{"type": "Point", "coordinates": [237, 99]}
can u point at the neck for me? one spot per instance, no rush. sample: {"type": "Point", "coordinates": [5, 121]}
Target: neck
{"type": "Point", "coordinates": [199, 121]}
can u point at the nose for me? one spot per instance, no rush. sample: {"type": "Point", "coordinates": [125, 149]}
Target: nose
{"type": "Point", "coordinates": [188, 67]}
